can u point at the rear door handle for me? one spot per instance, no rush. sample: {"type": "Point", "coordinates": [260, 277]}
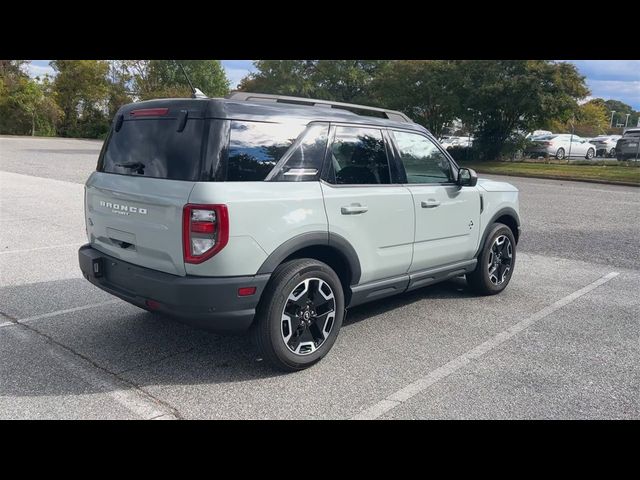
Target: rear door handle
{"type": "Point", "coordinates": [430, 204]}
{"type": "Point", "coordinates": [353, 209]}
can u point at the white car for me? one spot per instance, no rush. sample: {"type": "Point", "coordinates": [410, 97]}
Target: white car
{"type": "Point", "coordinates": [606, 144]}
{"type": "Point", "coordinates": [561, 146]}
{"type": "Point", "coordinates": [274, 214]}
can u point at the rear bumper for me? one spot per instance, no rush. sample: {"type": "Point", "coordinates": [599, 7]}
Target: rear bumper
{"type": "Point", "coordinates": [207, 302]}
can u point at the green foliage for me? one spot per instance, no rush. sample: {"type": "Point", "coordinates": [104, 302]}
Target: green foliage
{"type": "Point", "coordinates": [281, 77]}
{"type": "Point", "coordinates": [426, 90]}
{"type": "Point", "coordinates": [590, 119]}
{"type": "Point", "coordinates": [81, 89]}
{"type": "Point", "coordinates": [505, 96]}
{"type": "Point", "coordinates": [165, 79]}
{"type": "Point", "coordinates": [84, 95]}
{"type": "Point", "coordinates": [26, 106]}
{"type": "Point", "coordinates": [339, 80]}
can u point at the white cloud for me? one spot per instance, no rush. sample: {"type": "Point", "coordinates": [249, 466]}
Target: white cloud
{"type": "Point", "coordinates": [39, 70]}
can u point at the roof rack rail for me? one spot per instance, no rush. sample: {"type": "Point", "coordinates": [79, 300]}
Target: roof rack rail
{"type": "Point", "coordinates": [264, 97]}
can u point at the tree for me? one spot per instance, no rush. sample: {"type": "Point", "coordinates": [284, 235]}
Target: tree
{"type": "Point", "coordinates": [26, 106]}
{"type": "Point", "coordinates": [423, 89]}
{"type": "Point", "coordinates": [506, 96]}
{"type": "Point", "coordinates": [81, 89]}
{"type": "Point", "coordinates": [621, 109]}
{"type": "Point", "coordinates": [340, 80]}
{"type": "Point", "coordinates": [347, 81]}
{"type": "Point", "coordinates": [590, 120]}
{"type": "Point", "coordinates": [165, 79]}
{"type": "Point", "coordinates": [281, 77]}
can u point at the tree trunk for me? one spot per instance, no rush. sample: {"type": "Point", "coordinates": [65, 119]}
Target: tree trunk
{"type": "Point", "coordinates": [33, 124]}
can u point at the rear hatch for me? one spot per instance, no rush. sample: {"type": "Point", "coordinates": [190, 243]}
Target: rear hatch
{"type": "Point", "coordinates": [147, 168]}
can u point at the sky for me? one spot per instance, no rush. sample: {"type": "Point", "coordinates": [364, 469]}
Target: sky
{"type": "Point", "coordinates": [608, 79]}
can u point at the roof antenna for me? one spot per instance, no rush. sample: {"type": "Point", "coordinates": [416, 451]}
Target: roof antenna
{"type": "Point", "coordinates": [195, 92]}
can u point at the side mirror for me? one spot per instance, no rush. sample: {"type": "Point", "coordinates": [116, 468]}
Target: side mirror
{"type": "Point", "coordinates": [467, 177]}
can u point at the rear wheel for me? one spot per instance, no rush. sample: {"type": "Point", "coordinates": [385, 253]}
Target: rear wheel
{"type": "Point", "coordinates": [495, 262]}
{"type": "Point", "coordinates": [590, 153]}
{"type": "Point", "coordinates": [300, 316]}
{"type": "Point", "coordinates": [612, 152]}
{"type": "Point", "coordinates": [560, 153]}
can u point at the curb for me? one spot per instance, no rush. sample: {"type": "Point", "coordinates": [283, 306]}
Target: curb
{"type": "Point", "coordinates": [568, 179]}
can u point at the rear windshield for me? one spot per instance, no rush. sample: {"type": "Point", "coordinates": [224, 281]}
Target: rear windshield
{"type": "Point", "coordinates": [632, 133]}
{"type": "Point", "coordinates": [155, 148]}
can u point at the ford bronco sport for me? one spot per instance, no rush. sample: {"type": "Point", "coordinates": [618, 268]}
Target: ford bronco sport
{"type": "Point", "coordinates": [275, 214]}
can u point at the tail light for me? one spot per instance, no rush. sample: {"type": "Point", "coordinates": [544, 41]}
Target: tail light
{"type": "Point", "coordinates": [547, 143]}
{"type": "Point", "coordinates": [205, 231]}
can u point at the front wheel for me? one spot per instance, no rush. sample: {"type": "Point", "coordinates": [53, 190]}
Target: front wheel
{"type": "Point", "coordinates": [496, 262]}
{"type": "Point", "coordinates": [590, 153]}
{"type": "Point", "coordinates": [300, 315]}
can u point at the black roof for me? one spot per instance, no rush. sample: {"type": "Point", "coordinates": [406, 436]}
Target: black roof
{"type": "Point", "coordinates": [224, 108]}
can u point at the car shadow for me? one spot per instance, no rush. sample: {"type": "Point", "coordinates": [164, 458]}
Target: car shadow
{"type": "Point", "coordinates": [142, 347]}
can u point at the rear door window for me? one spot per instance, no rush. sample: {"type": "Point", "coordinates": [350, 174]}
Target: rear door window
{"type": "Point", "coordinates": [359, 157]}
{"type": "Point", "coordinates": [256, 147]}
{"type": "Point", "coordinates": [155, 148]}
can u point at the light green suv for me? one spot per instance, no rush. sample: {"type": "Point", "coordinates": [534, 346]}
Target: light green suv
{"type": "Point", "coordinates": [275, 214]}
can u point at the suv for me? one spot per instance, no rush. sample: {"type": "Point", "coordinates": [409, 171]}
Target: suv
{"type": "Point", "coordinates": [274, 214]}
{"type": "Point", "coordinates": [628, 146]}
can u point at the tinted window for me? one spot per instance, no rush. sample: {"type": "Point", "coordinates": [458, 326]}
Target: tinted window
{"type": "Point", "coordinates": [358, 156]}
{"type": "Point", "coordinates": [632, 133]}
{"type": "Point", "coordinates": [154, 148]}
{"type": "Point", "coordinates": [303, 161]}
{"type": "Point", "coordinates": [256, 147]}
{"type": "Point", "coordinates": [422, 160]}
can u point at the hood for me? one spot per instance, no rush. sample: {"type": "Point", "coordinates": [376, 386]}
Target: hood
{"type": "Point", "coordinates": [495, 186]}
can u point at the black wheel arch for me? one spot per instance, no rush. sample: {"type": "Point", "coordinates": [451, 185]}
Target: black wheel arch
{"type": "Point", "coordinates": [506, 215]}
{"type": "Point", "coordinates": [328, 247]}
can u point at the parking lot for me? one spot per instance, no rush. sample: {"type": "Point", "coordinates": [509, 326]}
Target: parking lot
{"type": "Point", "coordinates": [562, 341]}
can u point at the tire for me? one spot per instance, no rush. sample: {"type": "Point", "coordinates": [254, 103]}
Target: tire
{"type": "Point", "coordinates": [560, 153]}
{"type": "Point", "coordinates": [481, 280]}
{"type": "Point", "coordinates": [612, 152]}
{"type": "Point", "coordinates": [286, 311]}
{"type": "Point", "coordinates": [590, 154]}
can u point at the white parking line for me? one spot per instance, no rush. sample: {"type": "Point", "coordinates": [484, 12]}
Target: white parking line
{"type": "Point", "coordinates": [404, 394]}
{"type": "Point", "coordinates": [23, 250]}
{"type": "Point", "coordinates": [67, 310]}
{"type": "Point", "coordinates": [128, 396]}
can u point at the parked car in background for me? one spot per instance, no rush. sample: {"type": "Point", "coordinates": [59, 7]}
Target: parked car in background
{"type": "Point", "coordinates": [538, 133]}
{"type": "Point", "coordinates": [461, 142]}
{"type": "Point", "coordinates": [561, 146]}
{"type": "Point", "coordinates": [627, 147]}
{"type": "Point", "coordinates": [605, 145]}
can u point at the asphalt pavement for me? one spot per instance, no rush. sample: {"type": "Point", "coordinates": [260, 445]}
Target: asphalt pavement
{"type": "Point", "coordinates": [562, 341]}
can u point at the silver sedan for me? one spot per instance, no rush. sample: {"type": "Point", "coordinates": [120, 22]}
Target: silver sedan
{"type": "Point", "coordinates": [561, 146]}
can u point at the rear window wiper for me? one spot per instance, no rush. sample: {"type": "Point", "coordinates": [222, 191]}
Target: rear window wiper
{"type": "Point", "coordinates": [132, 165]}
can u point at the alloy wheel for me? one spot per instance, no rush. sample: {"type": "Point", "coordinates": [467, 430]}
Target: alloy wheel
{"type": "Point", "coordinates": [308, 316]}
{"type": "Point", "coordinates": [500, 259]}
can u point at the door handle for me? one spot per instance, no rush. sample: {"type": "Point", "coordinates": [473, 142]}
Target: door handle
{"type": "Point", "coordinates": [430, 204]}
{"type": "Point", "coordinates": [353, 209]}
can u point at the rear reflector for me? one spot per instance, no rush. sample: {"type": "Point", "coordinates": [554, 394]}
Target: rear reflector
{"type": "Point", "coordinates": [152, 304]}
{"type": "Point", "coordinates": [149, 112]}
{"type": "Point", "coordinates": [202, 227]}
{"type": "Point", "coordinates": [246, 291]}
